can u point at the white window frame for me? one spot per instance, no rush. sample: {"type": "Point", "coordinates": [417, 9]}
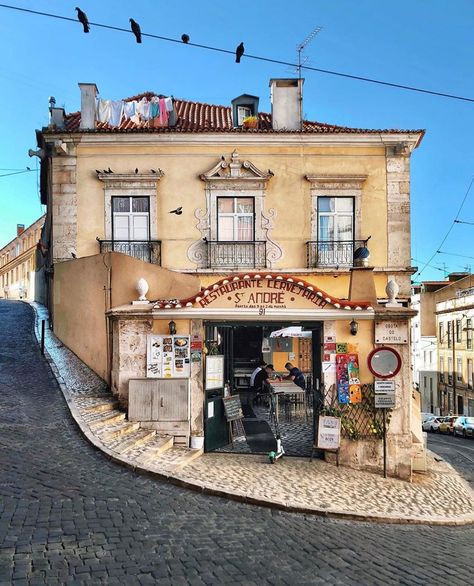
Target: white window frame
{"type": "Point", "coordinates": [336, 214]}
{"type": "Point", "coordinates": [459, 369]}
{"type": "Point", "coordinates": [243, 112]}
{"type": "Point", "coordinates": [130, 214]}
{"type": "Point", "coordinates": [236, 215]}
{"type": "Point", "coordinates": [470, 374]}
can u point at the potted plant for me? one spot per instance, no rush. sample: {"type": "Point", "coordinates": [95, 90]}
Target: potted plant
{"type": "Point", "coordinates": [250, 122]}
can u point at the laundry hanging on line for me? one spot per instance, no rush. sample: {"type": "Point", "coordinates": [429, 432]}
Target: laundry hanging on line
{"type": "Point", "coordinates": [156, 111]}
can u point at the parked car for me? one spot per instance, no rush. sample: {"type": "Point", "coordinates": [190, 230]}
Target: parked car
{"type": "Point", "coordinates": [446, 425]}
{"type": "Point", "coordinates": [431, 424]}
{"type": "Point", "coordinates": [464, 426]}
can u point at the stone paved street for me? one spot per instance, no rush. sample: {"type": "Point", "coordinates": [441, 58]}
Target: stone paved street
{"type": "Point", "coordinates": [69, 515]}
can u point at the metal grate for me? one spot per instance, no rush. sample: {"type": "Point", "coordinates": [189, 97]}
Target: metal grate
{"type": "Point", "coordinates": [358, 421]}
{"type": "Point", "coordinates": [331, 253]}
{"type": "Point", "coordinates": [146, 250]}
{"type": "Point", "coordinates": [233, 255]}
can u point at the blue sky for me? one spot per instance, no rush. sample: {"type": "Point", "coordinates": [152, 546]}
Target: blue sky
{"type": "Point", "coordinates": [425, 43]}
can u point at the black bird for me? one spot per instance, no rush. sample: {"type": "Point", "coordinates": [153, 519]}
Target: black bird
{"type": "Point", "coordinates": [222, 158]}
{"type": "Point", "coordinates": [177, 211]}
{"type": "Point", "coordinates": [28, 169]}
{"type": "Point", "coordinates": [136, 30]}
{"type": "Point", "coordinates": [136, 170]}
{"type": "Point", "coordinates": [82, 18]}
{"type": "Point", "coordinates": [185, 38]}
{"type": "Point", "coordinates": [105, 171]}
{"type": "Point", "coordinates": [109, 170]}
{"type": "Point", "coordinates": [153, 171]}
{"type": "Point", "coordinates": [97, 171]}
{"type": "Point", "coordinates": [73, 254]}
{"type": "Point", "coordinates": [239, 52]}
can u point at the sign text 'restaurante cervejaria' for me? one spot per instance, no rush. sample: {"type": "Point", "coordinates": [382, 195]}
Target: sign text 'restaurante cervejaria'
{"type": "Point", "coordinates": [256, 293]}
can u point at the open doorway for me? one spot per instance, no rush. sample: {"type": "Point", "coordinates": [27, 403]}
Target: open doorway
{"type": "Point", "coordinates": [244, 346]}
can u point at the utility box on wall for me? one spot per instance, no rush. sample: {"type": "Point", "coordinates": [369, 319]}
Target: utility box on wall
{"type": "Point", "coordinates": [161, 404]}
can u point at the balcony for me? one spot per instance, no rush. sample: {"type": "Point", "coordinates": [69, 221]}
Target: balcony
{"type": "Point", "coordinates": [236, 255]}
{"type": "Point", "coordinates": [146, 250]}
{"type": "Point", "coordinates": [332, 253]}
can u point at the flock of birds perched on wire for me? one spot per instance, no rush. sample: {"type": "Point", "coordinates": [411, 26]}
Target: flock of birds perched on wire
{"type": "Point", "coordinates": [136, 30]}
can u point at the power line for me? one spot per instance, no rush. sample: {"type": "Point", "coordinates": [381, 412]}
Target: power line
{"type": "Point", "coordinates": [450, 228]}
{"type": "Point", "coordinates": [454, 254]}
{"type": "Point", "coordinates": [18, 173]}
{"type": "Point", "coordinates": [256, 57]}
{"type": "Point", "coordinates": [463, 222]}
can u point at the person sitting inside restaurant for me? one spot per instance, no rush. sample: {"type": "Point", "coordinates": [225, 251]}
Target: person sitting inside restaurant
{"type": "Point", "coordinates": [260, 367]}
{"type": "Point", "coordinates": [262, 381]}
{"type": "Point", "coordinates": [295, 375]}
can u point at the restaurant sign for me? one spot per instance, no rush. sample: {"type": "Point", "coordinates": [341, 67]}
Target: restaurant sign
{"type": "Point", "coordinates": [258, 293]}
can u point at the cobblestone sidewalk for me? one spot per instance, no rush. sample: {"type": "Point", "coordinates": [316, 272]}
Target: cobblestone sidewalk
{"type": "Point", "coordinates": [439, 497]}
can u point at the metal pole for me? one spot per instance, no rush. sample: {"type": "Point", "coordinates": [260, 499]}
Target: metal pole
{"type": "Point", "coordinates": [453, 334]}
{"type": "Point", "coordinates": [384, 445]}
{"type": "Point", "coordinates": [42, 336]}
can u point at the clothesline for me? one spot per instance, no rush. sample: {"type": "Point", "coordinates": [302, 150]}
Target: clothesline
{"type": "Point", "coordinates": [155, 110]}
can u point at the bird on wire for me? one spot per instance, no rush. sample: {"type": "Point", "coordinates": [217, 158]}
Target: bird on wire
{"type": "Point", "coordinates": [177, 211]}
{"type": "Point", "coordinates": [239, 52]}
{"type": "Point", "coordinates": [136, 30]}
{"type": "Point", "coordinates": [185, 38]}
{"type": "Point", "coordinates": [82, 18]}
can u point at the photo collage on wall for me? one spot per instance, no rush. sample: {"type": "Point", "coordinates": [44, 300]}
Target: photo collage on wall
{"type": "Point", "coordinates": [347, 376]}
{"type": "Point", "coordinates": [168, 356]}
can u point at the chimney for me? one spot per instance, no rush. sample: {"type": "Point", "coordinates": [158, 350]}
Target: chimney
{"type": "Point", "coordinates": [287, 103]}
{"type": "Point", "coordinates": [89, 92]}
{"type": "Point", "coordinates": [56, 115]}
{"type": "Point", "coordinates": [20, 228]}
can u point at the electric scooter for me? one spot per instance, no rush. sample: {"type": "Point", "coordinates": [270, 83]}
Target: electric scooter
{"type": "Point", "coordinates": [280, 452]}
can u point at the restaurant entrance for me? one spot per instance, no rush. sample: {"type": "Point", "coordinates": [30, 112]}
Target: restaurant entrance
{"type": "Point", "coordinates": [243, 346]}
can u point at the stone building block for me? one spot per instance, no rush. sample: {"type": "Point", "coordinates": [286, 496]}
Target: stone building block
{"type": "Point", "coordinates": [397, 164]}
{"type": "Point", "coordinates": [68, 188]}
{"type": "Point", "coordinates": [393, 188]}
{"type": "Point", "coordinates": [402, 176]}
{"type": "Point", "coordinates": [62, 176]}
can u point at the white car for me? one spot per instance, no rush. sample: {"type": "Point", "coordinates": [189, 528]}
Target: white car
{"type": "Point", "coordinates": [425, 416]}
{"type": "Point", "coordinates": [464, 426]}
{"type": "Point", "coordinates": [431, 424]}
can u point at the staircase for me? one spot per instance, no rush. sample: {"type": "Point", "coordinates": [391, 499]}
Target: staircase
{"type": "Point", "coordinates": [143, 447]}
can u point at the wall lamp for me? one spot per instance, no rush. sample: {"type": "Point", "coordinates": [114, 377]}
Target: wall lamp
{"type": "Point", "coordinates": [354, 327]}
{"type": "Point", "coordinates": [172, 328]}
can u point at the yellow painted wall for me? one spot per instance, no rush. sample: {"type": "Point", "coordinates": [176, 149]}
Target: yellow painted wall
{"type": "Point", "coordinates": [182, 165]}
{"type": "Point", "coordinates": [80, 302]}
{"type": "Point", "coordinates": [363, 342]}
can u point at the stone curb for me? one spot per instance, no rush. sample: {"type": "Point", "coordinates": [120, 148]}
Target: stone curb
{"type": "Point", "coordinates": [238, 496]}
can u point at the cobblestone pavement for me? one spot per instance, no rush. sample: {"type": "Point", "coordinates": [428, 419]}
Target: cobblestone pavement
{"type": "Point", "coordinates": [70, 516]}
{"type": "Point", "coordinates": [458, 451]}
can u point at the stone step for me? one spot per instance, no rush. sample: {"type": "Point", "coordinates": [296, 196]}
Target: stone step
{"type": "Point", "coordinates": [173, 459]}
{"type": "Point", "coordinates": [100, 406]}
{"type": "Point", "coordinates": [118, 430]}
{"type": "Point", "coordinates": [99, 420]}
{"type": "Point", "coordinates": [151, 450]}
{"type": "Point", "coordinates": [131, 441]}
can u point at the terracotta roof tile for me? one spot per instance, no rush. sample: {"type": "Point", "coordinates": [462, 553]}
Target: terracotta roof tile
{"type": "Point", "coordinates": [201, 117]}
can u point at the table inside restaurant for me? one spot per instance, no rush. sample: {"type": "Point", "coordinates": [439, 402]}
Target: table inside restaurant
{"type": "Point", "coordinates": [286, 388]}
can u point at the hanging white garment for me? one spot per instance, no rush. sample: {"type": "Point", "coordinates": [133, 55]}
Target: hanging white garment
{"type": "Point", "coordinates": [104, 110]}
{"type": "Point", "coordinates": [169, 104]}
{"type": "Point", "coordinates": [129, 109]}
{"type": "Point", "coordinates": [143, 108]}
{"type": "Point", "coordinates": [116, 113]}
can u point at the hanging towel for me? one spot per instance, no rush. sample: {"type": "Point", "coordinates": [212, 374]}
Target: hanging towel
{"type": "Point", "coordinates": [116, 113]}
{"type": "Point", "coordinates": [104, 110]}
{"type": "Point", "coordinates": [169, 104]}
{"type": "Point", "coordinates": [154, 107]}
{"type": "Point", "coordinates": [163, 112]}
{"type": "Point", "coordinates": [129, 109]}
{"type": "Point", "coordinates": [143, 108]}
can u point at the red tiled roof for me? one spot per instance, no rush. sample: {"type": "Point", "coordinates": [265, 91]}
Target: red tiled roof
{"type": "Point", "coordinates": [200, 117]}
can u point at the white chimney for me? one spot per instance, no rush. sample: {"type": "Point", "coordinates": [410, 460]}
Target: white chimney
{"type": "Point", "coordinates": [287, 103]}
{"type": "Point", "coordinates": [89, 92]}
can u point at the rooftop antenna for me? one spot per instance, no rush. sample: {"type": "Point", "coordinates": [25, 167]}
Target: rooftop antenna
{"type": "Point", "coordinates": [302, 59]}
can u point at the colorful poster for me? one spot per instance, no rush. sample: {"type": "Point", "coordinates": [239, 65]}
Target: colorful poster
{"type": "Point", "coordinates": [347, 379]}
{"type": "Point", "coordinates": [355, 391]}
{"type": "Point", "coordinates": [168, 356]}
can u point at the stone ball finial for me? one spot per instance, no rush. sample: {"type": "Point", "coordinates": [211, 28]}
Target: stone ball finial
{"type": "Point", "coordinates": [142, 289]}
{"type": "Point", "coordinates": [392, 290]}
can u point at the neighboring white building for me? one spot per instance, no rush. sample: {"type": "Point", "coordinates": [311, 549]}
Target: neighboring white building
{"type": "Point", "coordinates": [424, 345]}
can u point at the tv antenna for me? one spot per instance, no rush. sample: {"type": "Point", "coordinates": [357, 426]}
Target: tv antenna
{"type": "Point", "coordinates": [302, 59]}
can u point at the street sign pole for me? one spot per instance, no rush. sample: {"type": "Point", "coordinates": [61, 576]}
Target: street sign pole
{"type": "Point", "coordinates": [384, 444]}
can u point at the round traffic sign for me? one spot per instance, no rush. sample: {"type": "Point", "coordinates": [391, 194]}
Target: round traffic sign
{"type": "Point", "coordinates": [384, 362]}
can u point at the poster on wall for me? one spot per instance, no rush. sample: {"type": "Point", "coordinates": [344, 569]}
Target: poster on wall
{"type": "Point", "coordinates": [214, 372]}
{"type": "Point", "coordinates": [347, 379]}
{"type": "Point", "coordinates": [168, 356]}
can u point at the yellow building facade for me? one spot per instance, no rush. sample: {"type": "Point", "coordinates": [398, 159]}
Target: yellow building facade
{"type": "Point", "coordinates": [237, 232]}
{"type": "Point", "coordinates": [18, 263]}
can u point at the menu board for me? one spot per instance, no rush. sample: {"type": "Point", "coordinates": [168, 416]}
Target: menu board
{"type": "Point", "coordinates": [168, 356]}
{"type": "Point", "coordinates": [329, 432]}
{"type": "Point", "coordinates": [214, 372]}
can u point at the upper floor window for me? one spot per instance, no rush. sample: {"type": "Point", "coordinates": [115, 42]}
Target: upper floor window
{"type": "Point", "coordinates": [130, 218]}
{"type": "Point", "coordinates": [335, 219]}
{"type": "Point", "coordinates": [458, 331]}
{"type": "Point", "coordinates": [441, 369]}
{"type": "Point", "coordinates": [243, 112]}
{"type": "Point", "coordinates": [449, 334]}
{"type": "Point", "coordinates": [235, 219]}
{"type": "Point", "coordinates": [441, 332]}
{"type": "Point", "coordinates": [469, 334]}
{"type": "Point", "coordinates": [470, 380]}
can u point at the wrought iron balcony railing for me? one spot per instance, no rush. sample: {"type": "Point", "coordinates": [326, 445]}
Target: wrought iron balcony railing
{"type": "Point", "coordinates": [146, 250]}
{"type": "Point", "coordinates": [332, 253]}
{"type": "Point", "coordinates": [233, 255]}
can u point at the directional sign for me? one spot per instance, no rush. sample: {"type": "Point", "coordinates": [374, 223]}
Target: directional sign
{"type": "Point", "coordinates": [385, 401]}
